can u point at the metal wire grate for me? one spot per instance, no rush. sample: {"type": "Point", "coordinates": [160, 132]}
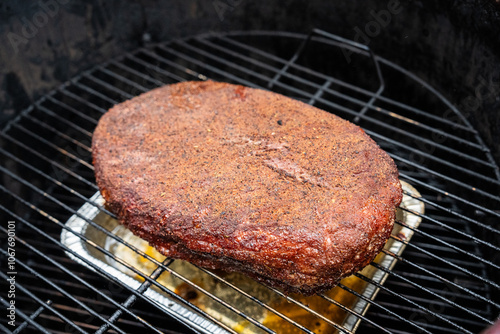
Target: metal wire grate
{"type": "Point", "coordinates": [445, 281]}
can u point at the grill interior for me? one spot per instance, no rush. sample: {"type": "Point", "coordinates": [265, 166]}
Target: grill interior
{"type": "Point", "coordinates": [444, 282]}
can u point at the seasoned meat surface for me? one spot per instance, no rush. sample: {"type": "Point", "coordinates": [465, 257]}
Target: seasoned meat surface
{"type": "Point", "coordinates": [241, 179]}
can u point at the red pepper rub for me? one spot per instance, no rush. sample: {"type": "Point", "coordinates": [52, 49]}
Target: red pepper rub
{"type": "Point", "coordinates": [241, 179]}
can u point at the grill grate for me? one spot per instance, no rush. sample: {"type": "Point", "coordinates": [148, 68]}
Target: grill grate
{"type": "Point", "coordinates": [445, 280]}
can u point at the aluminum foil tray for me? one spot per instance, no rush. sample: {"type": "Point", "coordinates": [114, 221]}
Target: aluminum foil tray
{"type": "Point", "coordinates": [204, 293]}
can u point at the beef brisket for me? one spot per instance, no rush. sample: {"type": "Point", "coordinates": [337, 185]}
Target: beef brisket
{"type": "Point", "coordinates": [241, 179]}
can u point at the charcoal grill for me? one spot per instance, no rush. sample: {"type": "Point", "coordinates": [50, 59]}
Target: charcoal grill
{"type": "Point", "coordinates": [445, 281]}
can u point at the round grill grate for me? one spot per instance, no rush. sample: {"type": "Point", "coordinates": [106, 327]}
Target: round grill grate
{"type": "Point", "coordinates": [444, 281]}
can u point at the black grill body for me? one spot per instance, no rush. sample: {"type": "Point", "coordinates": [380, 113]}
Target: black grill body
{"type": "Point", "coordinates": [425, 88]}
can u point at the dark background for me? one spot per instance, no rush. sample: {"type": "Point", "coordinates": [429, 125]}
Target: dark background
{"type": "Point", "coordinates": [454, 45]}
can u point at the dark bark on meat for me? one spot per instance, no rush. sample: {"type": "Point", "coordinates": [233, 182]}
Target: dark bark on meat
{"type": "Point", "coordinates": [246, 180]}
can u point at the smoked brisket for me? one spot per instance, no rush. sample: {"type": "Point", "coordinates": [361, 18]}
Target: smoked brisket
{"type": "Point", "coordinates": [241, 179]}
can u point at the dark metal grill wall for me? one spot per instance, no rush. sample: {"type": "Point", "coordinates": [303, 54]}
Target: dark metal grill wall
{"type": "Point", "coordinates": [453, 45]}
